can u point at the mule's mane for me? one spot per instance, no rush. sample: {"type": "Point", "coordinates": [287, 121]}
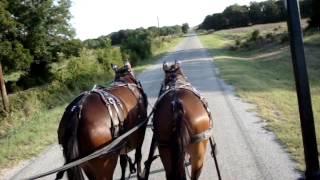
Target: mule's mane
{"type": "Point", "coordinates": [174, 77]}
{"type": "Point", "coordinates": [125, 75]}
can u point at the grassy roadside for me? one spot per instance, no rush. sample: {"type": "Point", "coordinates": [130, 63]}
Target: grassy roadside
{"type": "Point", "coordinates": [263, 75]}
{"type": "Point", "coordinates": [22, 137]}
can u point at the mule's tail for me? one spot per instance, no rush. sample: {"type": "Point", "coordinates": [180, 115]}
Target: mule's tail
{"type": "Point", "coordinates": [181, 140]}
{"type": "Point", "coordinates": [67, 134]}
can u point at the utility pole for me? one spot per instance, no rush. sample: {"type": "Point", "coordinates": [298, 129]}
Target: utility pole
{"type": "Point", "coordinates": [158, 25]}
{"type": "Point", "coordinates": [303, 91]}
{"type": "Point", "coordinates": [4, 96]}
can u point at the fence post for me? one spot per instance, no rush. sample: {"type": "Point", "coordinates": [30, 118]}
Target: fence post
{"type": "Point", "coordinates": [4, 96]}
{"type": "Point", "coordinates": [303, 91]}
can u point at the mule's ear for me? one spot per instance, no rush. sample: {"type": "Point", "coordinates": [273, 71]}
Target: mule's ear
{"type": "Point", "coordinates": [128, 65]}
{"type": "Point", "coordinates": [165, 66]}
{"type": "Point", "coordinates": [114, 67]}
{"type": "Point", "coordinates": [177, 64]}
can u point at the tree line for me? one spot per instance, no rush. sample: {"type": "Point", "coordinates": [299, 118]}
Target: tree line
{"type": "Point", "coordinates": [35, 34]}
{"type": "Point", "coordinates": [259, 13]}
{"type": "Point", "coordinates": [137, 44]}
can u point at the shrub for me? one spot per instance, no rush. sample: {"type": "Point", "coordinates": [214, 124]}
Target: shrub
{"type": "Point", "coordinates": [108, 56]}
{"type": "Point", "coordinates": [255, 35]}
{"type": "Point", "coordinates": [284, 38]}
{"type": "Point", "coordinates": [138, 46]}
{"type": "Point", "coordinates": [269, 36]}
{"type": "Point", "coordinates": [238, 42]}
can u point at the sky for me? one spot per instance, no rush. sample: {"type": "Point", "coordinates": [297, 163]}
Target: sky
{"type": "Point", "coordinates": [94, 18]}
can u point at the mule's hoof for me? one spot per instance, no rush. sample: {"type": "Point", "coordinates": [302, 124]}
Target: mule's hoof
{"type": "Point", "coordinates": [133, 170]}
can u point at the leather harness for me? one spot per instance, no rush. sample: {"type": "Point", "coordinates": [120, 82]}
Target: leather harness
{"type": "Point", "coordinates": [187, 86]}
{"type": "Point", "coordinates": [113, 104]}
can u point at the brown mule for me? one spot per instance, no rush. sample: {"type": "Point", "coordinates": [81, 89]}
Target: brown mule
{"type": "Point", "coordinates": [96, 118]}
{"type": "Point", "coordinates": [182, 124]}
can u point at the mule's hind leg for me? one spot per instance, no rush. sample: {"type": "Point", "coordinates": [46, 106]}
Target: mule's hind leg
{"type": "Point", "coordinates": [197, 153]}
{"type": "Point", "coordinates": [166, 159]}
{"type": "Point", "coordinates": [101, 168]}
{"type": "Point", "coordinates": [123, 164]}
{"type": "Point", "coordinates": [89, 174]}
{"type": "Point", "coordinates": [138, 157]}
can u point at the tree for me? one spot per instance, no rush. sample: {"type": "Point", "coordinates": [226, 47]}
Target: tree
{"type": "Point", "coordinates": [137, 46]}
{"type": "Point", "coordinates": [98, 43]}
{"type": "Point", "coordinates": [271, 11]}
{"type": "Point", "coordinates": [3, 92]}
{"type": "Point", "coordinates": [219, 21]}
{"type": "Point", "coordinates": [237, 15]}
{"type": "Point", "coordinates": [43, 27]}
{"type": "Point", "coordinates": [315, 16]}
{"type": "Point", "coordinates": [153, 30]}
{"type": "Point", "coordinates": [255, 13]}
{"type": "Point", "coordinates": [72, 48]}
{"type": "Point", "coordinates": [13, 55]}
{"type": "Point", "coordinates": [118, 37]}
{"type": "Point", "coordinates": [305, 8]}
{"type": "Point", "coordinates": [185, 27]}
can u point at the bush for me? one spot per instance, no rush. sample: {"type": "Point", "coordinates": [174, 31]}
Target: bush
{"type": "Point", "coordinates": [108, 56]}
{"type": "Point", "coordinates": [39, 74]}
{"type": "Point", "coordinates": [269, 36]}
{"type": "Point", "coordinates": [238, 42]}
{"type": "Point", "coordinates": [137, 47]}
{"type": "Point", "coordinates": [13, 56]}
{"type": "Point", "coordinates": [254, 35]}
{"type": "Point", "coordinates": [284, 38]}
{"type": "Point", "coordinates": [11, 87]}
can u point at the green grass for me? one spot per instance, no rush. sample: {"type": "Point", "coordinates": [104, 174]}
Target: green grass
{"type": "Point", "coordinates": [33, 123]}
{"type": "Point", "coordinates": [263, 75]}
{"type": "Point", "coordinates": [31, 137]}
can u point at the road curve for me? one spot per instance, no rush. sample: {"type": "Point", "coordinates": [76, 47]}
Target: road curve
{"type": "Point", "coordinates": [246, 150]}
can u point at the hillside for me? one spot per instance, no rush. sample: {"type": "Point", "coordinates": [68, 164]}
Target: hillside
{"type": "Point", "coordinates": [256, 60]}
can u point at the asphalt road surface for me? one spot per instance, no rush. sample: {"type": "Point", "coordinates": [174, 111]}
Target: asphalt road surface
{"type": "Point", "coordinates": [245, 149]}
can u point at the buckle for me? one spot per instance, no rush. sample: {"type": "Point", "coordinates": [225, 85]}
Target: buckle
{"type": "Point", "coordinates": [111, 100]}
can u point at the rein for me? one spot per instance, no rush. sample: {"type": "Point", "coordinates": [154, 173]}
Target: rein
{"type": "Point", "coordinates": [103, 151]}
{"type": "Point", "coordinates": [112, 147]}
{"type": "Point", "coordinates": [178, 84]}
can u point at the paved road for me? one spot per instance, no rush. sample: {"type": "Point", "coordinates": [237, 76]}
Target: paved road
{"type": "Point", "coordinates": [245, 149]}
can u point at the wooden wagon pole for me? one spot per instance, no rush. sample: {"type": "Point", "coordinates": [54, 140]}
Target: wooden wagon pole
{"type": "Point", "coordinates": [4, 96]}
{"type": "Point", "coordinates": [303, 91]}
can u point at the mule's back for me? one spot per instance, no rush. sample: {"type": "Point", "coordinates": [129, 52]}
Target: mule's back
{"type": "Point", "coordinates": [195, 115]}
{"type": "Point", "coordinates": [182, 124]}
{"type": "Point", "coordinates": [96, 118]}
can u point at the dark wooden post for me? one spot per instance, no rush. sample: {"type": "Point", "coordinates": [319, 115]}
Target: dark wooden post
{"type": "Point", "coordinates": [303, 91]}
{"type": "Point", "coordinates": [4, 96]}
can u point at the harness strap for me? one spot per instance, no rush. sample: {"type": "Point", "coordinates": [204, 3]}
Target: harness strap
{"type": "Point", "coordinates": [201, 136]}
{"type": "Point", "coordinates": [112, 103]}
{"type": "Point", "coordinates": [194, 138]}
{"type": "Point", "coordinates": [100, 152]}
{"type": "Point", "coordinates": [119, 115]}
{"type": "Point", "coordinates": [193, 90]}
{"type": "Point", "coordinates": [115, 106]}
{"type": "Point", "coordinates": [197, 137]}
{"type": "Point", "coordinates": [132, 87]}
